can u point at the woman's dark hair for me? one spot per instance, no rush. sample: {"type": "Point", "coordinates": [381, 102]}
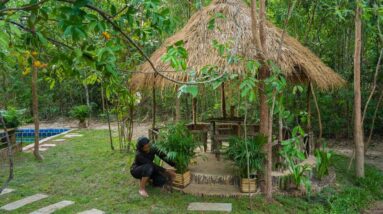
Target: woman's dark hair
{"type": "Point", "coordinates": [141, 142]}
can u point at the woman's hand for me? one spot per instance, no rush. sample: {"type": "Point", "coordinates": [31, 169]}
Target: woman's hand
{"type": "Point", "coordinates": [171, 173]}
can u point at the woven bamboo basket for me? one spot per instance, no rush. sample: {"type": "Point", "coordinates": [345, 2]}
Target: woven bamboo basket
{"type": "Point", "coordinates": [248, 185]}
{"type": "Point", "coordinates": [182, 180]}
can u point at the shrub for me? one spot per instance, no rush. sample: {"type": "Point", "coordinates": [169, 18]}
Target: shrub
{"type": "Point", "coordinates": [178, 144]}
{"type": "Point", "coordinates": [12, 118]}
{"type": "Point", "coordinates": [81, 113]}
{"type": "Point", "coordinates": [237, 152]}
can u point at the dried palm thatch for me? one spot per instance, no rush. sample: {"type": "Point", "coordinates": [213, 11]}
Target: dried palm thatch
{"type": "Point", "coordinates": [297, 62]}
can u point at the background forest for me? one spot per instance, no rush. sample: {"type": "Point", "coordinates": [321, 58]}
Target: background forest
{"type": "Point", "coordinates": [97, 63]}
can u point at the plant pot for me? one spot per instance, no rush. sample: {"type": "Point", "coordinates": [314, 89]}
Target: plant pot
{"type": "Point", "coordinates": [248, 185]}
{"type": "Point", "coordinates": [182, 180]}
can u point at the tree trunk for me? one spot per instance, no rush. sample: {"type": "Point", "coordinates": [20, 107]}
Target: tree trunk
{"type": "Point", "coordinates": [9, 154]}
{"type": "Point", "coordinates": [110, 129]}
{"type": "Point", "coordinates": [102, 99]}
{"type": "Point", "coordinates": [87, 102]}
{"type": "Point", "coordinates": [260, 42]}
{"type": "Point", "coordinates": [358, 129]}
{"type": "Point", "coordinates": [35, 108]}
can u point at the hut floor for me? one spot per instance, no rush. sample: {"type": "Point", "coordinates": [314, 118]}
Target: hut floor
{"type": "Point", "coordinates": [210, 177]}
{"type": "Point", "coordinates": [206, 163]}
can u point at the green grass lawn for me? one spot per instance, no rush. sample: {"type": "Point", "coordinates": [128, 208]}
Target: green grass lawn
{"type": "Point", "coordinates": [86, 171]}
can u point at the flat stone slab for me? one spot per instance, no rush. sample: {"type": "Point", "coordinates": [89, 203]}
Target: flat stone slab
{"type": "Point", "coordinates": [92, 211]}
{"type": "Point", "coordinates": [47, 145]}
{"type": "Point", "coordinates": [6, 190]}
{"type": "Point", "coordinates": [43, 149]}
{"type": "Point", "coordinates": [22, 202]}
{"type": "Point", "coordinates": [53, 207]}
{"type": "Point", "coordinates": [72, 135]}
{"type": "Point", "coordinates": [218, 207]}
{"type": "Point", "coordinates": [59, 140]}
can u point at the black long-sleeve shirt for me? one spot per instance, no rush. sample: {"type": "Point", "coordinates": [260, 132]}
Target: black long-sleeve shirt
{"type": "Point", "coordinates": [147, 158]}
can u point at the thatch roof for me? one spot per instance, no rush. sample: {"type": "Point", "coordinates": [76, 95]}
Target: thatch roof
{"type": "Point", "coordinates": [297, 62]}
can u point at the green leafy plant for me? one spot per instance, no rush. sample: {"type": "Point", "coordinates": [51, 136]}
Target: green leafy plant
{"type": "Point", "coordinates": [237, 152]}
{"type": "Point", "coordinates": [323, 161]}
{"type": "Point", "coordinates": [178, 144]}
{"type": "Point", "coordinates": [81, 113]}
{"type": "Point", "coordinates": [12, 118]}
{"type": "Point", "coordinates": [293, 156]}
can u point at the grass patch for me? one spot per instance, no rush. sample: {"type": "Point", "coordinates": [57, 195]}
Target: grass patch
{"type": "Point", "coordinates": [86, 171]}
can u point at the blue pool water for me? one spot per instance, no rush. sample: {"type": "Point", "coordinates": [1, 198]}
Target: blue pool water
{"type": "Point", "coordinates": [27, 135]}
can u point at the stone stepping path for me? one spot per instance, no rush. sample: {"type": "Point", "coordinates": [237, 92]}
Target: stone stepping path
{"type": "Point", "coordinates": [45, 210]}
{"type": "Point", "coordinates": [41, 149]}
{"type": "Point", "coordinates": [92, 211]}
{"type": "Point", "coordinates": [53, 207]}
{"type": "Point", "coordinates": [59, 140]}
{"type": "Point", "coordinates": [47, 145]}
{"type": "Point", "coordinates": [6, 190]}
{"type": "Point", "coordinates": [217, 207]}
{"type": "Point", "coordinates": [23, 202]}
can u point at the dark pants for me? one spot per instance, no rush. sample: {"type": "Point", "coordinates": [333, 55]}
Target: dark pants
{"type": "Point", "coordinates": [152, 171]}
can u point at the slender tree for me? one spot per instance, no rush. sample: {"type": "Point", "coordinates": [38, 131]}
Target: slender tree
{"type": "Point", "coordinates": [259, 39]}
{"type": "Point", "coordinates": [35, 103]}
{"type": "Point", "coordinates": [358, 128]}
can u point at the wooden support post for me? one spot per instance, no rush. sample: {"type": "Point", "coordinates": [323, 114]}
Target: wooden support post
{"type": "Point", "coordinates": [309, 126]}
{"type": "Point", "coordinates": [318, 142]}
{"type": "Point", "coordinates": [154, 103]}
{"type": "Point", "coordinates": [194, 106]}
{"type": "Point", "coordinates": [223, 100]}
{"type": "Point", "coordinates": [178, 110]}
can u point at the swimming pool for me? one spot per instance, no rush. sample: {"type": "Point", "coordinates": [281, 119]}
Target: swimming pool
{"type": "Point", "coordinates": [28, 135]}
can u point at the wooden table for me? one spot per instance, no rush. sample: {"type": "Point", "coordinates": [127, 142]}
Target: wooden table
{"type": "Point", "coordinates": [200, 132]}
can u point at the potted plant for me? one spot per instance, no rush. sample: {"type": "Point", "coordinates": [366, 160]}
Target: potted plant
{"type": "Point", "coordinates": [298, 179]}
{"type": "Point", "coordinates": [81, 113]}
{"type": "Point", "coordinates": [178, 144]}
{"type": "Point", "coordinates": [249, 157]}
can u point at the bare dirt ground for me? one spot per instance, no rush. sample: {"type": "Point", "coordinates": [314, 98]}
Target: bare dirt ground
{"type": "Point", "coordinates": [374, 154]}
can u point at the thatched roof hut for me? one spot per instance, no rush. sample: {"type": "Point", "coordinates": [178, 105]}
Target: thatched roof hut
{"type": "Point", "coordinates": [297, 62]}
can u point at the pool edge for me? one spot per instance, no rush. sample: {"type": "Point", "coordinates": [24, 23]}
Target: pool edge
{"type": "Point", "coordinates": [30, 146]}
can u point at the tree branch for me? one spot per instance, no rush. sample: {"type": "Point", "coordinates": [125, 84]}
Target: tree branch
{"type": "Point", "coordinates": [33, 32]}
{"type": "Point", "coordinates": [373, 85]}
{"type": "Point", "coordinates": [117, 28]}
{"type": "Point", "coordinates": [25, 7]}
